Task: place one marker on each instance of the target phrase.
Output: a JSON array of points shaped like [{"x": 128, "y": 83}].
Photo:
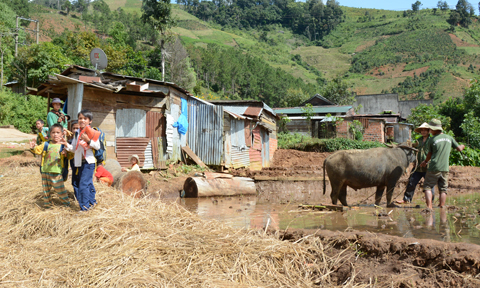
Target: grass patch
[
  {"x": 470, "y": 50},
  {"x": 431, "y": 64},
  {"x": 9, "y": 152},
  {"x": 330, "y": 60},
  {"x": 301, "y": 142}
]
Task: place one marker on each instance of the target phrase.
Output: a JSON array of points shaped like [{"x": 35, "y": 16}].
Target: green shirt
[
  {"x": 422, "y": 153},
  {"x": 52, "y": 162},
  {"x": 52, "y": 118},
  {"x": 440, "y": 145}
]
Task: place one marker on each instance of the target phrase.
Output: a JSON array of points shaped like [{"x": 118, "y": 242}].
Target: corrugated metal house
[
  {"x": 250, "y": 133},
  {"x": 317, "y": 127},
  {"x": 137, "y": 115}
]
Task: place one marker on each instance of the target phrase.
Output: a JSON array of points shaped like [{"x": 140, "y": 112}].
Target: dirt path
[{"x": 12, "y": 135}]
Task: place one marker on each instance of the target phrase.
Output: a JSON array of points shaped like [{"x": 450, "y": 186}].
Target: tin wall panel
[
  {"x": 256, "y": 150},
  {"x": 148, "y": 155},
  {"x": 176, "y": 154},
  {"x": 273, "y": 147},
  {"x": 227, "y": 146},
  {"x": 240, "y": 157},
  {"x": 130, "y": 123},
  {"x": 129, "y": 146},
  {"x": 75, "y": 99},
  {"x": 402, "y": 132},
  {"x": 265, "y": 148},
  {"x": 205, "y": 132},
  {"x": 237, "y": 132}
]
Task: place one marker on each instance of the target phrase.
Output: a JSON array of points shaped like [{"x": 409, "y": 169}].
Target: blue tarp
[{"x": 182, "y": 122}]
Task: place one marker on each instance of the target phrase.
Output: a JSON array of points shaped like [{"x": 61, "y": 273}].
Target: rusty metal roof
[
  {"x": 243, "y": 103},
  {"x": 253, "y": 111}
]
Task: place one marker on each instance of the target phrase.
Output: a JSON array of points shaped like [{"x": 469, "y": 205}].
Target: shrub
[
  {"x": 306, "y": 143},
  {"x": 22, "y": 111}
]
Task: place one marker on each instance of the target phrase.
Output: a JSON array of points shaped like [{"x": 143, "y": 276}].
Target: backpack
[
  {"x": 63, "y": 160},
  {"x": 101, "y": 154}
]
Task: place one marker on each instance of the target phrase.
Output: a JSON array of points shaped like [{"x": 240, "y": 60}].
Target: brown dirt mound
[{"x": 403, "y": 262}]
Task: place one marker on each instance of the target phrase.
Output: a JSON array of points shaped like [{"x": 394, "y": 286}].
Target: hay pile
[{"x": 126, "y": 242}]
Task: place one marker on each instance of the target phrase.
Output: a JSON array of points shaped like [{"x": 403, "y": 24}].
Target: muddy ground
[
  {"x": 401, "y": 262},
  {"x": 366, "y": 257}
]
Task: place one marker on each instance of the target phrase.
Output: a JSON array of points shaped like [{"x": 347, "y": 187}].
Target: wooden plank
[
  {"x": 288, "y": 178},
  {"x": 322, "y": 207},
  {"x": 194, "y": 157}
]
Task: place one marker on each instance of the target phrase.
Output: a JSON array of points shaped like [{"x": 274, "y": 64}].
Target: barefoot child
[
  {"x": 42, "y": 132},
  {"x": 134, "y": 160},
  {"x": 52, "y": 164},
  {"x": 84, "y": 161}
]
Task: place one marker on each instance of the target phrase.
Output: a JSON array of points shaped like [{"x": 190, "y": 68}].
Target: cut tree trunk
[
  {"x": 218, "y": 186},
  {"x": 131, "y": 183}
]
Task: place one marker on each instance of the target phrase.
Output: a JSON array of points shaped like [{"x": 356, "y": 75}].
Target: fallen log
[
  {"x": 202, "y": 187},
  {"x": 131, "y": 183}
]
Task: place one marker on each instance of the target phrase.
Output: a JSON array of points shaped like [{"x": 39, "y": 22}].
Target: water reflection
[{"x": 457, "y": 223}]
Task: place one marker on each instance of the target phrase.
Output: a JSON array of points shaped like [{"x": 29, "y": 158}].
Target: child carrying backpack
[
  {"x": 84, "y": 145},
  {"x": 53, "y": 157}
]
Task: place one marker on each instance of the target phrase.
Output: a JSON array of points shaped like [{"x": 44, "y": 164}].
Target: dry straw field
[{"x": 126, "y": 242}]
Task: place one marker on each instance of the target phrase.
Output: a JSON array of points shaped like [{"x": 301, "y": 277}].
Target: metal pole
[
  {"x": 38, "y": 30},
  {"x": 16, "y": 39}
]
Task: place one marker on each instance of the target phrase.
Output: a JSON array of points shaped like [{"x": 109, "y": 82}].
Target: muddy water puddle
[{"x": 459, "y": 222}]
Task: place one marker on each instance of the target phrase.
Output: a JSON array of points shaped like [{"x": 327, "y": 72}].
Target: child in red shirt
[{"x": 103, "y": 175}]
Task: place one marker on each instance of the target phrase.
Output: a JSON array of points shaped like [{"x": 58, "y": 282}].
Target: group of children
[{"x": 52, "y": 144}]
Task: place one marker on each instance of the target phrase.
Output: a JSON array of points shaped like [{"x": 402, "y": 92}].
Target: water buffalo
[{"x": 376, "y": 167}]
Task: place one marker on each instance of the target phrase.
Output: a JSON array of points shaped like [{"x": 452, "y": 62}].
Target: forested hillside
[{"x": 254, "y": 50}]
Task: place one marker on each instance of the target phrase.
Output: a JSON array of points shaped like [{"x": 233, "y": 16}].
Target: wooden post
[{"x": 48, "y": 102}]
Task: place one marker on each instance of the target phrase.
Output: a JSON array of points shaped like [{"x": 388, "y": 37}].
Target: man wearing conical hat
[
  {"x": 439, "y": 147},
  {"x": 419, "y": 172}
]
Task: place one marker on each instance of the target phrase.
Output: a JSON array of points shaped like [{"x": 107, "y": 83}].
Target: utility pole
[
  {"x": 1, "y": 75},
  {"x": 16, "y": 38},
  {"x": 36, "y": 31}
]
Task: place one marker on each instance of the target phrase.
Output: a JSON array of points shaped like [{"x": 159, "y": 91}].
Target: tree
[
  {"x": 461, "y": 15},
  {"x": 180, "y": 69},
  {"x": 7, "y": 23},
  {"x": 472, "y": 97},
  {"x": 337, "y": 91},
  {"x": 293, "y": 97},
  {"x": 442, "y": 5},
  {"x": 416, "y": 6},
  {"x": 21, "y": 7},
  {"x": 158, "y": 13},
  {"x": 67, "y": 6},
  {"x": 471, "y": 129},
  {"x": 34, "y": 64},
  {"x": 424, "y": 113}
]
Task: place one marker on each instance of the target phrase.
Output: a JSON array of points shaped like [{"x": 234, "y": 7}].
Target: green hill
[{"x": 374, "y": 51}]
